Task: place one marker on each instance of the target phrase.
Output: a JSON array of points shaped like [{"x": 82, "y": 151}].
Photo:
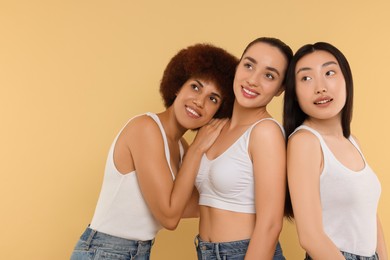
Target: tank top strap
[
  {"x": 353, "y": 141},
  {"x": 166, "y": 147},
  {"x": 325, "y": 149},
  {"x": 271, "y": 119},
  {"x": 322, "y": 141},
  {"x": 181, "y": 148},
  {"x": 311, "y": 130}
]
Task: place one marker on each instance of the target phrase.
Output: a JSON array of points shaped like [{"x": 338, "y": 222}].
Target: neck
[
  {"x": 173, "y": 130},
  {"x": 327, "y": 127},
  {"x": 243, "y": 116}
]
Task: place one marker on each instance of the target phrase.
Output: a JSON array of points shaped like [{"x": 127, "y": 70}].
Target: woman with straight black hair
[{"x": 334, "y": 193}]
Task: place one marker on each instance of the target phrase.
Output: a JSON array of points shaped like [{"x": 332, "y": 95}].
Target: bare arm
[
  {"x": 166, "y": 198},
  {"x": 267, "y": 148},
  {"x": 381, "y": 244},
  {"x": 304, "y": 165},
  {"x": 192, "y": 208}
]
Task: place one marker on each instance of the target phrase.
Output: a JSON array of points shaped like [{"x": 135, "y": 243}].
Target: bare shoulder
[
  {"x": 267, "y": 129},
  {"x": 304, "y": 144},
  {"x": 142, "y": 128},
  {"x": 270, "y": 135},
  {"x": 303, "y": 137},
  {"x": 143, "y": 122}
]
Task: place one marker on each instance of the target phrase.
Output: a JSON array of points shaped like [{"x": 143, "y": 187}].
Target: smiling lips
[
  {"x": 323, "y": 100},
  {"x": 249, "y": 93},
  {"x": 192, "y": 112}
]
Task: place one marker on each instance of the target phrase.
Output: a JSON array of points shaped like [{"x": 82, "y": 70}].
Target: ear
[{"x": 280, "y": 91}]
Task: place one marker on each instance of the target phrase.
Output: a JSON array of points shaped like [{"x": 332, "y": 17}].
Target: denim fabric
[
  {"x": 235, "y": 250},
  {"x": 349, "y": 256},
  {"x": 96, "y": 245}
]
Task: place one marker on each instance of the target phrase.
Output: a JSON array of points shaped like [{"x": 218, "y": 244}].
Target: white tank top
[
  {"x": 227, "y": 181},
  {"x": 121, "y": 209},
  {"x": 349, "y": 202}
]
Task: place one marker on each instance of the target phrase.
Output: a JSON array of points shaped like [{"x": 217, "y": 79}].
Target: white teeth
[
  {"x": 323, "y": 101},
  {"x": 192, "y": 111},
  {"x": 247, "y": 91}
]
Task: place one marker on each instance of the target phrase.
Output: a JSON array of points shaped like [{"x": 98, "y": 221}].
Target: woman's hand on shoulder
[{"x": 207, "y": 134}]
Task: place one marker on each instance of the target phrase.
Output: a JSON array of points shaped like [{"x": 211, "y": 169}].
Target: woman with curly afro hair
[{"x": 148, "y": 185}]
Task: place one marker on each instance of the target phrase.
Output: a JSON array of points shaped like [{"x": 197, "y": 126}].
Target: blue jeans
[
  {"x": 234, "y": 250},
  {"x": 97, "y": 245},
  {"x": 349, "y": 256}
]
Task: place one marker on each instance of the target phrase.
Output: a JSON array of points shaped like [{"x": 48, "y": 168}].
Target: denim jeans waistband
[
  {"x": 223, "y": 247},
  {"x": 233, "y": 248},
  {"x": 96, "y": 238},
  {"x": 349, "y": 256}
]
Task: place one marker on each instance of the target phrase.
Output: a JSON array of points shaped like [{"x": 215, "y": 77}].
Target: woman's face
[
  {"x": 320, "y": 85},
  {"x": 259, "y": 75},
  {"x": 197, "y": 102}
]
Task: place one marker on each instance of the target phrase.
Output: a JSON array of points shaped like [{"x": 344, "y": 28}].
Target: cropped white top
[{"x": 227, "y": 181}]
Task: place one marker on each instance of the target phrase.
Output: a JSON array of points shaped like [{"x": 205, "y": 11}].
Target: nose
[
  {"x": 198, "y": 102},
  {"x": 253, "y": 80},
  {"x": 320, "y": 88}
]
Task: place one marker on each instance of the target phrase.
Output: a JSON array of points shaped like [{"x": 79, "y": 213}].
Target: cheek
[
  {"x": 300, "y": 95},
  {"x": 344, "y": 92},
  {"x": 212, "y": 109},
  {"x": 302, "y": 99},
  {"x": 236, "y": 83},
  {"x": 270, "y": 85}
]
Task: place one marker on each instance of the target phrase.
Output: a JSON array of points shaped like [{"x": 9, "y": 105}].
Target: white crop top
[
  {"x": 227, "y": 181},
  {"x": 349, "y": 202},
  {"x": 121, "y": 209}
]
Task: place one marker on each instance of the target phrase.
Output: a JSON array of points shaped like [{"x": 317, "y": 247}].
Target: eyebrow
[
  {"x": 267, "y": 67},
  {"x": 201, "y": 84},
  {"x": 323, "y": 65}
]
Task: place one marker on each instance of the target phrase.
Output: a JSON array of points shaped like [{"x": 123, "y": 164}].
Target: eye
[
  {"x": 269, "y": 76},
  {"x": 214, "y": 99},
  {"x": 195, "y": 87},
  {"x": 306, "y": 78},
  {"x": 248, "y": 65},
  {"x": 330, "y": 73}
]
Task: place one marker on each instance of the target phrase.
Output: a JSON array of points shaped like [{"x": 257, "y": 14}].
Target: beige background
[{"x": 72, "y": 73}]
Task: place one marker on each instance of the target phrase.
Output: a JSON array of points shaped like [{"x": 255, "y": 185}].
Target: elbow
[
  {"x": 170, "y": 223},
  {"x": 277, "y": 229},
  {"x": 305, "y": 241},
  {"x": 170, "y": 226},
  {"x": 272, "y": 229},
  {"x": 168, "y": 217},
  {"x": 276, "y": 226}
]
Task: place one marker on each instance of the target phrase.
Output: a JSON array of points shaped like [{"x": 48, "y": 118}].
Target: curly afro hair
[{"x": 206, "y": 62}]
